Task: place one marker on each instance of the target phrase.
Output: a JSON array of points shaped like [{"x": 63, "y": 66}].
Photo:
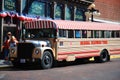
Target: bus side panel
[
  {"x": 114, "y": 46},
  {"x": 70, "y": 49}
]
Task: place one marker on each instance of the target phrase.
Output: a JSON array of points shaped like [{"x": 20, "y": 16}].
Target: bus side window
[
  {"x": 62, "y": 33},
  {"x": 107, "y": 34},
  {"x": 96, "y": 34},
  {"x": 117, "y": 34},
  {"x": 84, "y": 33},
  {"x": 77, "y": 34},
  {"x": 113, "y": 34},
  {"x": 70, "y": 34},
  {"x": 102, "y": 34},
  {"x": 90, "y": 34}
]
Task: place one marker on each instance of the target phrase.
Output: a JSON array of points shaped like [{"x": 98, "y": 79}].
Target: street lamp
[{"x": 91, "y": 11}]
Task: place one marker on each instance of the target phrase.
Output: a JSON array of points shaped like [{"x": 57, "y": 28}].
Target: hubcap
[{"x": 47, "y": 60}]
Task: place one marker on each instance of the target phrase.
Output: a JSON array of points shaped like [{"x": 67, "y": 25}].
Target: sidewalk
[{"x": 4, "y": 64}]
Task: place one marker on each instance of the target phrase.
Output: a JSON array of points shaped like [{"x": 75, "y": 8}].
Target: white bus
[{"x": 46, "y": 41}]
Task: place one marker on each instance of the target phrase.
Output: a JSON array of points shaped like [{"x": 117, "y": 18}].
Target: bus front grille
[{"x": 24, "y": 50}]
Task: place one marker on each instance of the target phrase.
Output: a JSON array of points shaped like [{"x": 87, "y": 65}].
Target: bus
[{"x": 47, "y": 41}]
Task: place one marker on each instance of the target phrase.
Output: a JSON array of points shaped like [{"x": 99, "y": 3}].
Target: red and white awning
[
  {"x": 40, "y": 24},
  {"x": 64, "y": 24}
]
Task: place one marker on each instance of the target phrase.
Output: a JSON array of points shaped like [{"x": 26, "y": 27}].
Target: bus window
[
  {"x": 107, "y": 34},
  {"x": 113, "y": 34},
  {"x": 70, "y": 34},
  {"x": 77, "y": 34},
  {"x": 117, "y": 34},
  {"x": 84, "y": 33},
  {"x": 40, "y": 33},
  {"x": 90, "y": 34},
  {"x": 102, "y": 35},
  {"x": 62, "y": 33},
  {"x": 96, "y": 34}
]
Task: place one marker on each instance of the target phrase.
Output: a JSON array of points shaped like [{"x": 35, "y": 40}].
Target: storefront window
[
  {"x": 37, "y": 8},
  {"x": 23, "y": 4},
  {"x": 68, "y": 13},
  {"x": 58, "y": 12},
  {"x": 9, "y": 5},
  {"x": 79, "y": 15},
  {"x": 48, "y": 10}
]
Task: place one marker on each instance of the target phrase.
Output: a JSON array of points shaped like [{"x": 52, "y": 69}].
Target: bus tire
[
  {"x": 47, "y": 60},
  {"x": 104, "y": 57}
]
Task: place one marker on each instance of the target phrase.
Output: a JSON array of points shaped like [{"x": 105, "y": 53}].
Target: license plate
[{"x": 22, "y": 60}]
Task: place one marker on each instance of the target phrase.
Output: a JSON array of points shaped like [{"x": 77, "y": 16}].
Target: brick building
[{"x": 109, "y": 9}]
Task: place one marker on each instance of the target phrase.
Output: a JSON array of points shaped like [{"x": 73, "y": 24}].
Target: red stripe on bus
[
  {"x": 89, "y": 55},
  {"x": 114, "y": 49},
  {"x": 82, "y": 52},
  {"x": 112, "y": 53}
]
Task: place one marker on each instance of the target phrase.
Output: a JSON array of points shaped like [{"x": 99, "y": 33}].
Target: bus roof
[{"x": 65, "y": 24}]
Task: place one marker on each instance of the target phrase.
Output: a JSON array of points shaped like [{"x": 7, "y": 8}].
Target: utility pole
[
  {"x": 1, "y": 26},
  {"x": 20, "y": 24}
]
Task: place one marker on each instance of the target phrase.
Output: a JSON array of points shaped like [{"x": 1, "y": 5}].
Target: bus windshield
[{"x": 39, "y": 33}]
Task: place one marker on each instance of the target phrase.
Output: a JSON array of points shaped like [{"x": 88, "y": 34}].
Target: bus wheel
[
  {"x": 47, "y": 60},
  {"x": 104, "y": 57}
]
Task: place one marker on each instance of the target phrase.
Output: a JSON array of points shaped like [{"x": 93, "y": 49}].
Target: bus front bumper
[{"x": 25, "y": 61}]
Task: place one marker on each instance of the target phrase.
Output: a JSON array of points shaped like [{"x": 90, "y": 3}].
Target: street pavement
[{"x": 4, "y": 64}]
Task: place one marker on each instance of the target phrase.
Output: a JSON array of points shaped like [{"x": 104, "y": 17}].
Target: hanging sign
[{"x": 9, "y": 5}]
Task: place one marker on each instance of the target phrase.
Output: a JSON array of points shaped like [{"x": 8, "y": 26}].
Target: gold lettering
[{"x": 9, "y": 4}]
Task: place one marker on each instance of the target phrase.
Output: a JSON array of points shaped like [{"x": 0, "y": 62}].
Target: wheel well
[{"x": 50, "y": 52}]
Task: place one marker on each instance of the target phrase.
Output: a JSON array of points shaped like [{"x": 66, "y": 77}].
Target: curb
[
  {"x": 115, "y": 56},
  {"x": 111, "y": 57},
  {"x": 3, "y": 65}
]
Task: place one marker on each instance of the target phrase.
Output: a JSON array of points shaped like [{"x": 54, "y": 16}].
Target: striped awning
[
  {"x": 39, "y": 24},
  {"x": 65, "y": 24}
]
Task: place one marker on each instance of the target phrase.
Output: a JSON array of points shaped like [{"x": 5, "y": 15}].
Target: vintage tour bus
[{"x": 46, "y": 41}]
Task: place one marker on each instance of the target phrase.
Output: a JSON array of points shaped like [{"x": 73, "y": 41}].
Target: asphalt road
[{"x": 66, "y": 71}]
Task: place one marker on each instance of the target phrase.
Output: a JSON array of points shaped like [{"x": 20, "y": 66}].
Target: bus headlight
[
  {"x": 12, "y": 51},
  {"x": 37, "y": 51}
]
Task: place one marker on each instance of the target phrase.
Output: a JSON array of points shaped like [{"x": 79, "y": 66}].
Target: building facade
[{"x": 14, "y": 12}]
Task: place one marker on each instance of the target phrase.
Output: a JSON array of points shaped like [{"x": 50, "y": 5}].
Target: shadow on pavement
[
  {"x": 37, "y": 67},
  {"x": 57, "y": 65}
]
